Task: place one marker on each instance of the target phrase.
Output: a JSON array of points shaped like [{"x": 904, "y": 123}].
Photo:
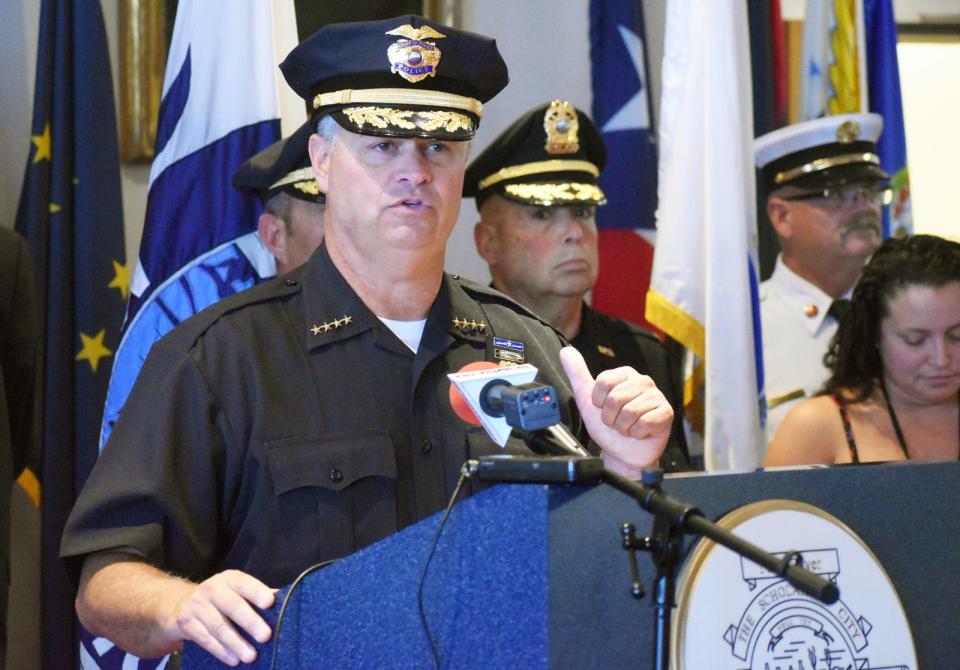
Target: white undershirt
[{"x": 409, "y": 332}]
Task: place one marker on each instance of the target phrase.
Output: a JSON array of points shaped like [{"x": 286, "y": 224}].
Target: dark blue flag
[
  {"x": 622, "y": 111},
  {"x": 883, "y": 83},
  {"x": 70, "y": 213}
]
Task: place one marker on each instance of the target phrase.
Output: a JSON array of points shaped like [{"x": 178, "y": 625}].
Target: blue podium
[{"x": 533, "y": 576}]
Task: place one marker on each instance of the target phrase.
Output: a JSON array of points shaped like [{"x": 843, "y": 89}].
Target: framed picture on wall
[{"x": 146, "y": 27}]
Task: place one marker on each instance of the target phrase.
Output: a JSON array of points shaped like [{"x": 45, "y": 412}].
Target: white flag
[{"x": 704, "y": 283}]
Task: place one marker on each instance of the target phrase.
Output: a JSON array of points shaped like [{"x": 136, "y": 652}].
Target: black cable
[
  {"x": 283, "y": 607},
  {"x": 464, "y": 473}
]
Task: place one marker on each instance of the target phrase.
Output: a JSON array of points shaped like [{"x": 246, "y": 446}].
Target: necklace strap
[{"x": 893, "y": 420}]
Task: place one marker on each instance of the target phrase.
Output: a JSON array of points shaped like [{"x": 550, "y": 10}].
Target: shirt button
[
  {"x": 291, "y": 282},
  {"x": 335, "y": 475},
  {"x": 426, "y": 446}
]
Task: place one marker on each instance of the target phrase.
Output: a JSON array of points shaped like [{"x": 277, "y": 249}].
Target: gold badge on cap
[
  {"x": 562, "y": 127},
  {"x": 848, "y": 131},
  {"x": 414, "y": 58}
]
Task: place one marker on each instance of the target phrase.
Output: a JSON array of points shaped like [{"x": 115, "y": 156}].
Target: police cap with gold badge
[
  {"x": 552, "y": 155},
  {"x": 830, "y": 151},
  {"x": 401, "y": 77},
  {"x": 283, "y": 167}
]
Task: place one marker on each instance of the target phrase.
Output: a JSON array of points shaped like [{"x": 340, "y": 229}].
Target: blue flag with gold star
[{"x": 70, "y": 213}]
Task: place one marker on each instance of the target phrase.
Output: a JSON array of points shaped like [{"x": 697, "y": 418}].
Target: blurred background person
[
  {"x": 825, "y": 191},
  {"x": 291, "y": 225},
  {"x": 19, "y": 339},
  {"x": 536, "y": 190},
  {"x": 895, "y": 366}
]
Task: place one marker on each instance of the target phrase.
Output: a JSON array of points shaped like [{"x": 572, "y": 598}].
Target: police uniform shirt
[
  {"x": 607, "y": 343},
  {"x": 287, "y": 425},
  {"x": 796, "y": 334}
]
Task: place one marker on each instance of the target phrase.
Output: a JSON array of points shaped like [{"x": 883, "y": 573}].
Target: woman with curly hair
[{"x": 895, "y": 366}]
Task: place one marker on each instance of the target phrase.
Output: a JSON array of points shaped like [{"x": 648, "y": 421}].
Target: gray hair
[{"x": 328, "y": 129}]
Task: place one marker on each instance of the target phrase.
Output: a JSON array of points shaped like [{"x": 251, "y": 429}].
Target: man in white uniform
[{"x": 825, "y": 191}]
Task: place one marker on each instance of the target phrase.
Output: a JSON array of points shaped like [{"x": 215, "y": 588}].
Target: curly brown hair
[{"x": 854, "y": 355}]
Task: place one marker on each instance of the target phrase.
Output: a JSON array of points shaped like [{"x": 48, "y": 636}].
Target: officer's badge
[
  {"x": 414, "y": 58},
  {"x": 848, "y": 131},
  {"x": 562, "y": 127}
]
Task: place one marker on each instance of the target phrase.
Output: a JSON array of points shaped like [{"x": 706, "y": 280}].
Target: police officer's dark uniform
[
  {"x": 553, "y": 156},
  {"x": 288, "y": 425}
]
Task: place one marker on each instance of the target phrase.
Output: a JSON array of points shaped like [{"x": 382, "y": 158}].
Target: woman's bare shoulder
[{"x": 811, "y": 433}]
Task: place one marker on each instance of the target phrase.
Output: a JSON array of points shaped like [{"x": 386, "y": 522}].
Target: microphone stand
[{"x": 672, "y": 519}]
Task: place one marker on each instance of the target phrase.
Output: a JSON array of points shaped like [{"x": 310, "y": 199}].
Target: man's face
[
  {"x": 536, "y": 252},
  {"x": 830, "y": 227},
  {"x": 387, "y": 194}
]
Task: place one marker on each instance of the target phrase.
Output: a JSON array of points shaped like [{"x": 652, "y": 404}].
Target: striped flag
[
  {"x": 223, "y": 101},
  {"x": 704, "y": 290},
  {"x": 850, "y": 65},
  {"x": 622, "y": 112}
]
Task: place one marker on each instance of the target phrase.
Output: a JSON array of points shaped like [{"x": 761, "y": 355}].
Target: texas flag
[{"x": 622, "y": 111}]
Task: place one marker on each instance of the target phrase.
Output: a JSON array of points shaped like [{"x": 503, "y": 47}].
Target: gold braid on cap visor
[
  {"x": 548, "y": 195},
  {"x": 824, "y": 163},
  {"x": 526, "y": 169},
  {"x": 408, "y": 119},
  {"x": 379, "y": 113},
  {"x": 301, "y": 179}
]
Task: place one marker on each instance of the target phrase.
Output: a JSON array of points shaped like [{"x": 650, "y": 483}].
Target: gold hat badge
[
  {"x": 562, "y": 127},
  {"x": 414, "y": 58},
  {"x": 848, "y": 131}
]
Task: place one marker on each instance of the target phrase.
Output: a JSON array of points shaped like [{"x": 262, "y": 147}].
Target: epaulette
[
  {"x": 486, "y": 294},
  {"x": 186, "y": 333}
]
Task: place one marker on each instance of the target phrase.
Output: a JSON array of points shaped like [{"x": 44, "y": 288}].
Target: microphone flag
[{"x": 470, "y": 383}]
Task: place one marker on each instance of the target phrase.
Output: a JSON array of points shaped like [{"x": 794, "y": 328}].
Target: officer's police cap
[
  {"x": 401, "y": 77},
  {"x": 830, "y": 151},
  {"x": 552, "y": 155},
  {"x": 283, "y": 167}
]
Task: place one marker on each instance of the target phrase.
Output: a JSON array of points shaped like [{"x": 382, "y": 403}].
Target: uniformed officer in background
[
  {"x": 307, "y": 417},
  {"x": 825, "y": 192},
  {"x": 291, "y": 225},
  {"x": 536, "y": 190}
]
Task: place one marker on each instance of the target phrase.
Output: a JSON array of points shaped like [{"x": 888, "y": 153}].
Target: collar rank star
[
  {"x": 508, "y": 352},
  {"x": 327, "y": 326},
  {"x": 469, "y": 327}
]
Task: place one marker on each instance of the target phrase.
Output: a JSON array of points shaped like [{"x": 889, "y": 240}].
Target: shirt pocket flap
[{"x": 332, "y": 463}]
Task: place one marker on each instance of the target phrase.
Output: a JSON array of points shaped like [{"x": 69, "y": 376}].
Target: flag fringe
[{"x": 676, "y": 323}]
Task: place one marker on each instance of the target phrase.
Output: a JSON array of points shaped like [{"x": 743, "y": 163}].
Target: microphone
[{"x": 487, "y": 392}]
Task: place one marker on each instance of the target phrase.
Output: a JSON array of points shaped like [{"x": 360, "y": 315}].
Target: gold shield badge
[
  {"x": 848, "y": 131},
  {"x": 414, "y": 58},
  {"x": 562, "y": 127}
]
